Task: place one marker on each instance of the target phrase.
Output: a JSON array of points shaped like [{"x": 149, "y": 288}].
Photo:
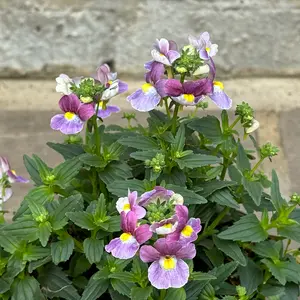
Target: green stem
[
  {"x": 225, "y": 165},
  {"x": 174, "y": 119},
  {"x": 96, "y": 135},
  {"x": 256, "y": 166},
  {"x": 87, "y": 132},
  {"x": 167, "y": 108},
  {"x": 235, "y": 122},
  {"x": 162, "y": 294},
  {"x": 287, "y": 246},
  {"x": 169, "y": 72}
]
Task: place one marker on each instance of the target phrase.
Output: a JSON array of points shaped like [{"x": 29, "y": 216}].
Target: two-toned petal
[
  {"x": 67, "y": 123},
  {"x": 5, "y": 193},
  {"x": 109, "y": 109},
  {"x": 219, "y": 97},
  {"x": 124, "y": 247}
]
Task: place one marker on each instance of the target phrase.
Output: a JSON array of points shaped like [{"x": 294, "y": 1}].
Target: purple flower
[
  {"x": 204, "y": 46},
  {"x": 113, "y": 85},
  {"x": 188, "y": 93},
  {"x": 187, "y": 229},
  {"x": 165, "y": 52},
  {"x": 168, "y": 270},
  {"x": 155, "y": 71},
  {"x": 166, "y": 226},
  {"x": 129, "y": 242},
  {"x": 158, "y": 193},
  {"x": 75, "y": 114},
  {"x": 104, "y": 111},
  {"x": 219, "y": 97},
  {"x": 129, "y": 203}
]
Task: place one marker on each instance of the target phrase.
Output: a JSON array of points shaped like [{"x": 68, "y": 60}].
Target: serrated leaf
[
  {"x": 210, "y": 187},
  {"x": 115, "y": 171},
  {"x": 113, "y": 224},
  {"x": 55, "y": 283},
  {"x": 26, "y": 288},
  {"x": 179, "y": 139},
  {"x": 193, "y": 161},
  {"x": 93, "y": 249},
  {"x": 223, "y": 272},
  {"x": 82, "y": 219},
  {"x": 24, "y": 228},
  {"x": 10, "y": 243},
  {"x": 247, "y": 229},
  {"x": 276, "y": 270},
  {"x": 194, "y": 288},
  {"x": 44, "y": 232},
  {"x": 231, "y": 249},
  {"x": 62, "y": 250},
  {"x": 144, "y": 155},
  {"x": 122, "y": 287},
  {"x": 43, "y": 169},
  {"x": 5, "y": 283},
  {"x": 276, "y": 197},
  {"x": 290, "y": 232},
  {"x": 36, "y": 208},
  {"x": 33, "y": 252},
  {"x": 95, "y": 289},
  {"x": 224, "y": 197},
  {"x": 291, "y": 292},
  {"x": 268, "y": 290},
  {"x": 120, "y": 187},
  {"x": 139, "y": 142},
  {"x": 268, "y": 249},
  {"x": 68, "y": 151},
  {"x": 32, "y": 169},
  {"x": 92, "y": 160},
  {"x": 138, "y": 293},
  {"x": 15, "y": 265},
  {"x": 235, "y": 174},
  {"x": 178, "y": 294},
  {"x": 254, "y": 188},
  {"x": 190, "y": 197},
  {"x": 38, "y": 263},
  {"x": 242, "y": 161},
  {"x": 199, "y": 276},
  {"x": 209, "y": 126},
  {"x": 123, "y": 276},
  {"x": 66, "y": 171}
]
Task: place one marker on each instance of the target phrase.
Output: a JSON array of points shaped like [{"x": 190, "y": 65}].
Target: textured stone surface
[{"x": 45, "y": 37}]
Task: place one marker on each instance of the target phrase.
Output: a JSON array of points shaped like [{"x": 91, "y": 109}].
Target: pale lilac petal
[
  {"x": 173, "y": 55},
  {"x": 205, "y": 36},
  {"x": 213, "y": 50},
  {"x": 157, "y": 56},
  {"x": 195, "y": 223},
  {"x": 164, "y": 279},
  {"x": 4, "y": 164},
  {"x": 57, "y": 121},
  {"x": 123, "y": 87},
  {"x": 148, "y": 65},
  {"x": 193, "y": 41},
  {"x": 132, "y": 197},
  {"x": 12, "y": 177},
  {"x": 143, "y": 233},
  {"x": 173, "y": 87},
  {"x": 86, "y": 111},
  {"x": 187, "y": 252},
  {"x": 104, "y": 113},
  {"x": 102, "y": 73},
  {"x": 160, "y": 87},
  {"x": 221, "y": 99},
  {"x": 166, "y": 248},
  {"x": 122, "y": 250},
  {"x": 149, "y": 254},
  {"x": 157, "y": 193},
  {"x": 163, "y": 45},
  {"x": 69, "y": 103},
  {"x": 5, "y": 194},
  {"x": 72, "y": 127},
  {"x": 182, "y": 213},
  {"x": 139, "y": 211},
  {"x": 144, "y": 102},
  {"x": 203, "y": 54},
  {"x": 172, "y": 45}
]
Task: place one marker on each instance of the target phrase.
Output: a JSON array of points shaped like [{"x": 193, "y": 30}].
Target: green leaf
[
  {"x": 32, "y": 169},
  {"x": 43, "y": 169},
  {"x": 179, "y": 139},
  {"x": 123, "y": 287},
  {"x": 199, "y": 276},
  {"x": 93, "y": 249},
  {"x": 177, "y": 177},
  {"x": 66, "y": 171},
  {"x": 95, "y": 289},
  {"x": 268, "y": 249},
  {"x": 15, "y": 265},
  {"x": 139, "y": 142},
  {"x": 194, "y": 288},
  {"x": 82, "y": 219},
  {"x": 33, "y": 252},
  {"x": 209, "y": 187},
  {"x": 44, "y": 232},
  {"x": 55, "y": 283},
  {"x": 113, "y": 223},
  {"x": 290, "y": 232},
  {"x": 26, "y": 288},
  {"x": 144, "y": 155},
  {"x": 189, "y": 196},
  {"x": 10, "y": 243},
  {"x": 24, "y": 228},
  {"x": 193, "y": 161},
  {"x": 92, "y": 160},
  {"x": 123, "y": 276},
  {"x": 62, "y": 250},
  {"x": 254, "y": 188},
  {"x": 138, "y": 293},
  {"x": 209, "y": 126},
  {"x": 38, "y": 263},
  {"x": 178, "y": 294},
  {"x": 270, "y": 290},
  {"x": 225, "y": 198},
  {"x": 231, "y": 249},
  {"x": 291, "y": 292},
  {"x": 247, "y": 229},
  {"x": 235, "y": 174},
  {"x": 223, "y": 272},
  {"x": 276, "y": 197},
  {"x": 5, "y": 283},
  {"x": 68, "y": 151},
  {"x": 242, "y": 160},
  {"x": 276, "y": 270},
  {"x": 295, "y": 215},
  {"x": 115, "y": 150},
  {"x": 115, "y": 171},
  {"x": 120, "y": 187}
]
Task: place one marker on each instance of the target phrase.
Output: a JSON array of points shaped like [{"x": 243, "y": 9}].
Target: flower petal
[
  {"x": 182, "y": 213},
  {"x": 144, "y": 102},
  {"x": 221, "y": 99},
  {"x": 172, "y": 45},
  {"x": 139, "y": 211},
  {"x": 166, "y": 248},
  {"x": 128, "y": 221},
  {"x": 173, "y": 55},
  {"x": 5, "y": 194},
  {"x": 187, "y": 252},
  {"x": 164, "y": 279},
  {"x": 123, "y": 87},
  {"x": 198, "y": 87},
  {"x": 143, "y": 233},
  {"x": 203, "y": 54},
  {"x": 205, "y": 36},
  {"x": 102, "y": 73},
  {"x": 12, "y": 177},
  {"x": 104, "y": 113},
  {"x": 57, "y": 121},
  {"x": 149, "y": 254},
  {"x": 122, "y": 250},
  {"x": 69, "y": 103},
  {"x": 157, "y": 56},
  {"x": 155, "y": 73},
  {"x": 173, "y": 87},
  {"x": 86, "y": 111},
  {"x": 4, "y": 164},
  {"x": 72, "y": 127},
  {"x": 163, "y": 45}
]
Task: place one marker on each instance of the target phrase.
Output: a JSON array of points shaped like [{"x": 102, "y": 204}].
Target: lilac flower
[
  {"x": 158, "y": 193},
  {"x": 104, "y": 111},
  {"x": 188, "y": 93},
  {"x": 129, "y": 242},
  {"x": 168, "y": 270},
  {"x": 165, "y": 52},
  {"x": 129, "y": 203},
  {"x": 165, "y": 226},
  {"x": 204, "y": 46},
  {"x": 187, "y": 229},
  {"x": 63, "y": 84},
  {"x": 155, "y": 71},
  {"x": 219, "y": 97},
  {"x": 75, "y": 114},
  {"x": 113, "y": 85}
]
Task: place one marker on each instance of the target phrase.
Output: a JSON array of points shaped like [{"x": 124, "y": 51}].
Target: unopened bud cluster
[
  {"x": 158, "y": 211},
  {"x": 156, "y": 163},
  {"x": 268, "y": 150}
]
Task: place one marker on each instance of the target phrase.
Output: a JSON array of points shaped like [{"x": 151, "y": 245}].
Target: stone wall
[{"x": 40, "y": 38}]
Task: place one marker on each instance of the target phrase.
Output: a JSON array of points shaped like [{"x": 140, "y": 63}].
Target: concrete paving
[{"x": 27, "y": 107}]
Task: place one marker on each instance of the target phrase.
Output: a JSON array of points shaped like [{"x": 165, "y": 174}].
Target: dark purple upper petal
[
  {"x": 143, "y": 233},
  {"x": 182, "y": 213},
  {"x": 102, "y": 73},
  {"x": 173, "y": 87},
  {"x": 164, "y": 247},
  {"x": 188, "y": 251},
  {"x": 155, "y": 73},
  {"x": 86, "y": 111},
  {"x": 128, "y": 221},
  {"x": 69, "y": 103},
  {"x": 149, "y": 254},
  {"x": 160, "y": 87},
  {"x": 172, "y": 45},
  {"x": 198, "y": 87}
]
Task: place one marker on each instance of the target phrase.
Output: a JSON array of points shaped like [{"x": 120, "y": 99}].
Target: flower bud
[
  {"x": 253, "y": 126},
  {"x": 181, "y": 70},
  {"x": 178, "y": 199},
  {"x": 189, "y": 50},
  {"x": 202, "y": 70},
  {"x": 268, "y": 150},
  {"x": 245, "y": 111}
]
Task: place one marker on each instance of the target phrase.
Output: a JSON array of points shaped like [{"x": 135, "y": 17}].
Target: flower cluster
[
  {"x": 157, "y": 216},
  {"x": 7, "y": 177},
  {"x": 194, "y": 61},
  {"x": 85, "y": 97}
]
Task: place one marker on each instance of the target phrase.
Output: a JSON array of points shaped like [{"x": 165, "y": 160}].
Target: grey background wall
[{"x": 40, "y": 38}]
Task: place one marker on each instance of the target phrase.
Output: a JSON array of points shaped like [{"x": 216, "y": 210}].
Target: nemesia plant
[{"x": 171, "y": 210}]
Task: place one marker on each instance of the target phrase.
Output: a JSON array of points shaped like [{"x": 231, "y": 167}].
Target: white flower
[
  {"x": 123, "y": 205},
  {"x": 178, "y": 199},
  {"x": 111, "y": 91},
  {"x": 253, "y": 127},
  {"x": 63, "y": 84}
]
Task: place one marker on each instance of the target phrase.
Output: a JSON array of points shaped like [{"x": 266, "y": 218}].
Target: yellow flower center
[
  {"x": 169, "y": 263},
  {"x": 109, "y": 82},
  {"x": 187, "y": 231},
  {"x": 14, "y": 172},
  {"x": 86, "y": 99},
  {"x": 207, "y": 49},
  {"x": 188, "y": 97},
  {"x": 125, "y": 237},
  {"x": 168, "y": 225},
  {"x": 69, "y": 115},
  {"x": 146, "y": 87},
  {"x": 161, "y": 54},
  {"x": 126, "y": 206},
  {"x": 219, "y": 84}
]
